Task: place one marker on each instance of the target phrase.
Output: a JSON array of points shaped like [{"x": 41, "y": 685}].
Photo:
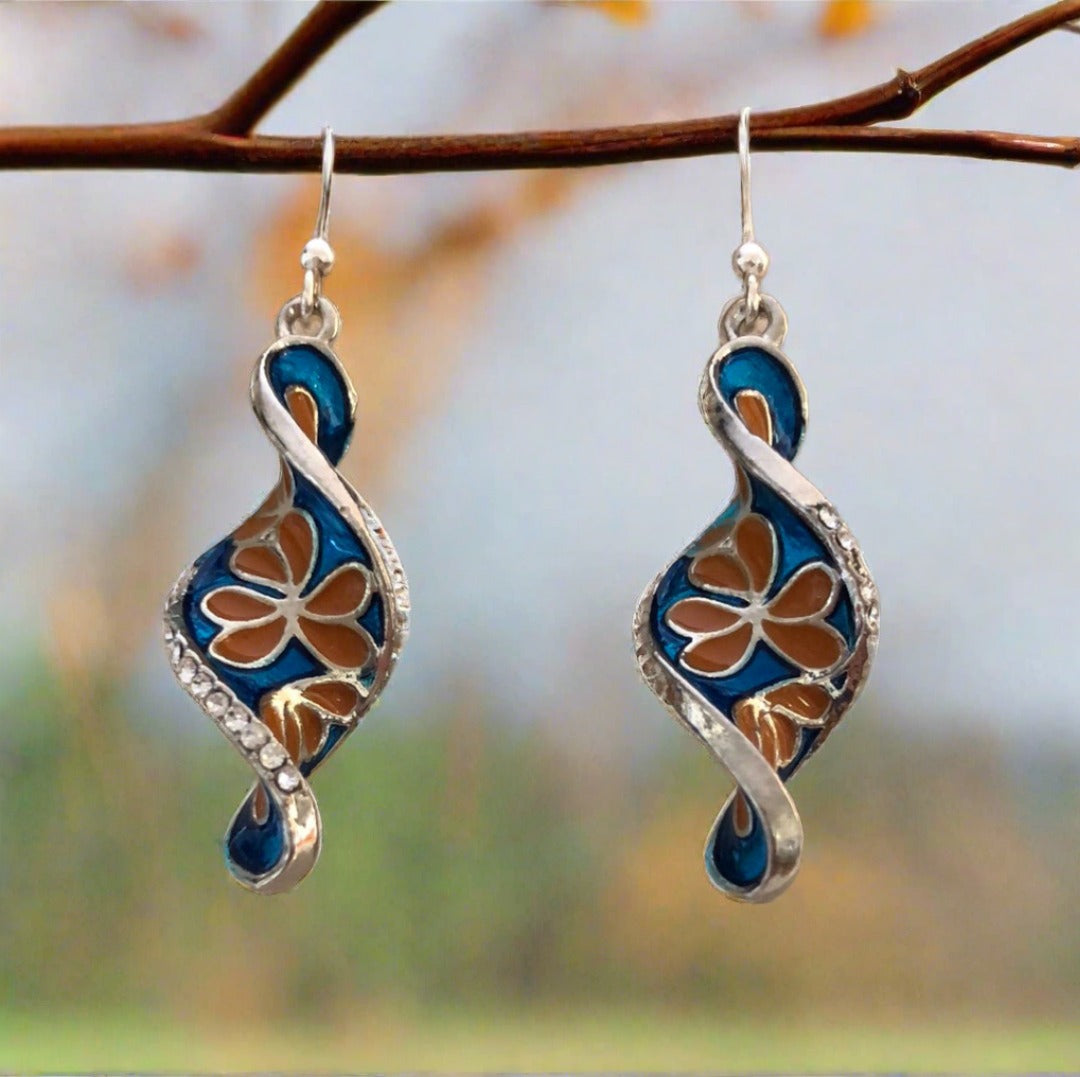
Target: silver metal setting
[
  {"x": 315, "y": 327},
  {"x": 756, "y": 320}
]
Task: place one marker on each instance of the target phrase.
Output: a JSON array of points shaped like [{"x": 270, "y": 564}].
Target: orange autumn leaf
[
  {"x": 624, "y": 12},
  {"x": 844, "y": 18}
]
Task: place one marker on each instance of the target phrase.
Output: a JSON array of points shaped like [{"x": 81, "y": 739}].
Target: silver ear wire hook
[
  {"x": 318, "y": 256},
  {"x": 749, "y": 260}
]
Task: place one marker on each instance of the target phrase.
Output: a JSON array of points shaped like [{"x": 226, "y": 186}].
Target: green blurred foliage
[{"x": 480, "y": 866}]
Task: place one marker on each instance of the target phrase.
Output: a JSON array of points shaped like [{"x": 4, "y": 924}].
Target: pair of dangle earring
[
  {"x": 760, "y": 634},
  {"x": 287, "y": 630},
  {"x": 757, "y": 637}
]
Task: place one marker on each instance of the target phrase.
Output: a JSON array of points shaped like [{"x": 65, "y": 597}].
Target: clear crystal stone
[
  {"x": 217, "y": 703},
  {"x": 201, "y": 685},
  {"x": 254, "y": 736},
  {"x": 866, "y": 594},
  {"x": 272, "y": 755},
  {"x": 847, "y": 541},
  {"x": 236, "y": 719},
  {"x": 288, "y": 779},
  {"x": 828, "y": 517},
  {"x": 176, "y": 653},
  {"x": 188, "y": 668},
  {"x": 170, "y": 633}
]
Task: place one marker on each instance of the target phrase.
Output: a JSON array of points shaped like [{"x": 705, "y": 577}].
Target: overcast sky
[{"x": 932, "y": 315}]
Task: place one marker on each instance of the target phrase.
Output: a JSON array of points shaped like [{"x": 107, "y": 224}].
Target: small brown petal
[
  {"x": 343, "y": 645},
  {"x": 718, "y": 656},
  {"x": 779, "y": 738},
  {"x": 807, "y": 703},
  {"x": 755, "y": 543},
  {"x": 693, "y": 616},
  {"x": 342, "y": 594},
  {"x": 248, "y": 646},
  {"x": 296, "y": 536},
  {"x": 754, "y": 411},
  {"x": 312, "y": 729},
  {"x": 336, "y": 697},
  {"x": 719, "y": 571},
  {"x": 812, "y": 647},
  {"x": 261, "y": 564},
  {"x": 811, "y": 592},
  {"x": 237, "y": 604},
  {"x": 304, "y": 410}
]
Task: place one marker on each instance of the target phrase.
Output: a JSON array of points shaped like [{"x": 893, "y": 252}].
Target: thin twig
[
  {"x": 317, "y": 33},
  {"x": 218, "y": 141}
]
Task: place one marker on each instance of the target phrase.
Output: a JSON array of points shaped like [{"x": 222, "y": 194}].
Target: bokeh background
[{"x": 512, "y": 872}]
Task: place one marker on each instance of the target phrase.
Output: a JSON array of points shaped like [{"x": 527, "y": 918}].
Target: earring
[
  {"x": 287, "y": 630},
  {"x": 759, "y": 635}
]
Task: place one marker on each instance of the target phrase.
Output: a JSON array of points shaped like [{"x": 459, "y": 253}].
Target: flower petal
[
  {"x": 808, "y": 704},
  {"x": 811, "y": 592},
  {"x": 311, "y": 728},
  {"x": 277, "y": 717},
  {"x": 697, "y": 616},
  {"x": 296, "y": 537},
  {"x": 755, "y": 413},
  {"x": 779, "y": 739},
  {"x": 755, "y": 544},
  {"x": 304, "y": 410},
  {"x": 237, "y": 605},
  {"x": 774, "y": 736},
  {"x": 260, "y": 564},
  {"x": 334, "y": 697},
  {"x": 345, "y": 646},
  {"x": 812, "y": 647},
  {"x": 719, "y": 572},
  {"x": 250, "y": 645},
  {"x": 719, "y": 656},
  {"x": 344, "y": 593}
]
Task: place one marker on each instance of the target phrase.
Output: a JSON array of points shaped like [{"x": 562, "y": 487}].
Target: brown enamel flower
[
  {"x": 742, "y": 567},
  {"x": 772, "y": 722}
]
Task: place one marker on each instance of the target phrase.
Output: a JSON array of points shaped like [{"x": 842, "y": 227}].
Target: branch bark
[
  {"x": 219, "y": 141},
  {"x": 317, "y": 33}
]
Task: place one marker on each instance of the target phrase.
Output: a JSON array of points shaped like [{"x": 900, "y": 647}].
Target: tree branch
[
  {"x": 218, "y": 141},
  {"x": 317, "y": 33}
]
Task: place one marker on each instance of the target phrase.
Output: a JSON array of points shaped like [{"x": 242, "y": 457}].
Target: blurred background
[{"x": 512, "y": 872}]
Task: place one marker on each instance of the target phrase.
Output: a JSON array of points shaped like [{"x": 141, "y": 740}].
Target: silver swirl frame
[
  {"x": 288, "y": 788},
  {"x": 752, "y": 773}
]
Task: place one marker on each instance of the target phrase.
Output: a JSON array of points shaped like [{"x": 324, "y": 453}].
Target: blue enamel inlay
[
  {"x": 252, "y": 847},
  {"x": 337, "y": 545},
  {"x": 797, "y": 545},
  {"x": 743, "y": 860},
  {"x": 755, "y": 368},
  {"x": 734, "y": 859},
  {"x": 306, "y": 366}
]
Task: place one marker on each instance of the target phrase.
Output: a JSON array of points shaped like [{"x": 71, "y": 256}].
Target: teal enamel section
[
  {"x": 336, "y": 546},
  {"x": 254, "y": 847},
  {"x": 742, "y": 860},
  {"x": 797, "y": 546},
  {"x": 309, "y": 368},
  {"x": 755, "y": 368}
]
